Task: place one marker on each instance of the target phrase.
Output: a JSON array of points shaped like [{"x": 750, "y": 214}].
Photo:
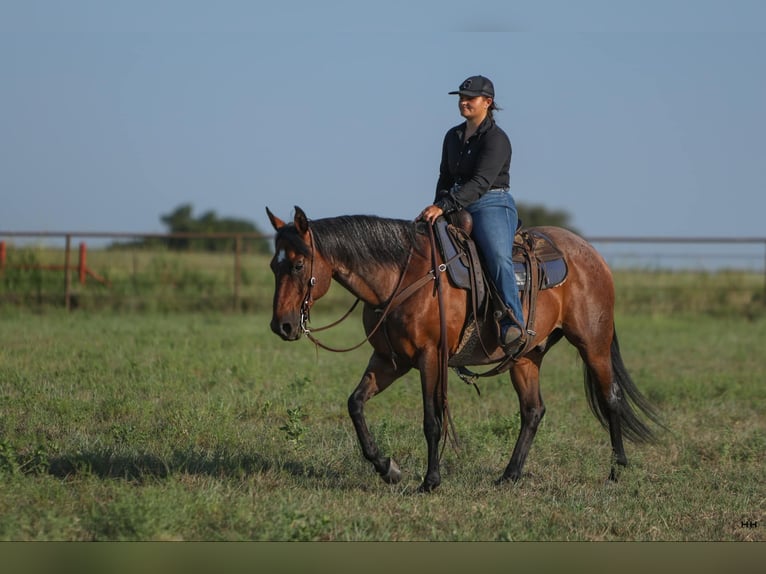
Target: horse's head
[{"x": 301, "y": 275}]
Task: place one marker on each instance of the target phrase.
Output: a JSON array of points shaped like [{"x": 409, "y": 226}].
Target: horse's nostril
[
  {"x": 285, "y": 329},
  {"x": 277, "y": 327}
]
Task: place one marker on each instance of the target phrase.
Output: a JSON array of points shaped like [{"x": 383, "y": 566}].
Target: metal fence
[
  {"x": 691, "y": 253},
  {"x": 111, "y": 239},
  {"x": 652, "y": 255}
]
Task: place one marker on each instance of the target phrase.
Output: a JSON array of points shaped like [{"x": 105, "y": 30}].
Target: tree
[
  {"x": 533, "y": 215},
  {"x": 179, "y": 221},
  {"x": 182, "y": 220}
]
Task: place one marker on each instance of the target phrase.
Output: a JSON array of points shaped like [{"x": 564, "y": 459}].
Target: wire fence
[
  {"x": 137, "y": 271},
  {"x": 689, "y": 253}
]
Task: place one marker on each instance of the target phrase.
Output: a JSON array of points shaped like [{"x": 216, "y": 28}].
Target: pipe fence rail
[{"x": 645, "y": 254}]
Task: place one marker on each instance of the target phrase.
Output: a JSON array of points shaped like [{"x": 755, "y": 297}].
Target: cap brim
[{"x": 468, "y": 93}]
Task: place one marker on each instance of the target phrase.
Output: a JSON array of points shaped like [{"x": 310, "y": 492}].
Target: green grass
[
  {"x": 208, "y": 427},
  {"x": 152, "y": 280}
]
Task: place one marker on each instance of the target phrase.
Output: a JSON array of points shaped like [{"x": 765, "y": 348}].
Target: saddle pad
[
  {"x": 552, "y": 274},
  {"x": 553, "y": 267}
]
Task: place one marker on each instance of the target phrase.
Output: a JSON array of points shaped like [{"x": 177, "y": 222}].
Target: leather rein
[
  {"x": 434, "y": 274},
  {"x": 397, "y": 299}
]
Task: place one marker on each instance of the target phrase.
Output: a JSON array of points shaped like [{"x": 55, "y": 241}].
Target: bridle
[
  {"x": 305, "y": 313},
  {"x": 398, "y": 297},
  {"x": 434, "y": 274},
  {"x": 306, "y": 304}
]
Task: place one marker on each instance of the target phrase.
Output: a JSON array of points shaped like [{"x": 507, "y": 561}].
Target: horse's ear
[
  {"x": 301, "y": 221},
  {"x": 275, "y": 221}
]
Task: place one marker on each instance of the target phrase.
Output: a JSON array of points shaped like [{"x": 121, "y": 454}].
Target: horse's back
[
  {"x": 582, "y": 258},
  {"x": 586, "y": 299}
]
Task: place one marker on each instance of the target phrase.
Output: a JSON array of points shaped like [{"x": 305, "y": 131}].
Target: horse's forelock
[{"x": 289, "y": 234}]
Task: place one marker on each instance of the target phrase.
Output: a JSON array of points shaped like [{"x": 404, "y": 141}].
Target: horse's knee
[
  {"x": 533, "y": 414},
  {"x": 431, "y": 427},
  {"x": 355, "y": 405}
]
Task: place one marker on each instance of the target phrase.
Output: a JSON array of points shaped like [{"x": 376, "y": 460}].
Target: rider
[{"x": 474, "y": 175}]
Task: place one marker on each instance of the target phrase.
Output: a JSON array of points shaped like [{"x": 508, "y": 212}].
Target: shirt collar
[{"x": 483, "y": 127}]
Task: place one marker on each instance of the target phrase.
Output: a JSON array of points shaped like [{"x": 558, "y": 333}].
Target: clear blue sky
[{"x": 637, "y": 118}]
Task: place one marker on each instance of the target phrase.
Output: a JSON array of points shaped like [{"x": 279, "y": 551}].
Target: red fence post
[
  {"x": 82, "y": 267},
  {"x": 2, "y": 256}
]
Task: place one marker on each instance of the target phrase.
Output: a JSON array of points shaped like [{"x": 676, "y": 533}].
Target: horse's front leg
[
  {"x": 433, "y": 418},
  {"x": 525, "y": 376},
  {"x": 379, "y": 375}
]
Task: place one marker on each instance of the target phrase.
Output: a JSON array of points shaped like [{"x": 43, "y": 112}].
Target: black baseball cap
[{"x": 476, "y": 86}]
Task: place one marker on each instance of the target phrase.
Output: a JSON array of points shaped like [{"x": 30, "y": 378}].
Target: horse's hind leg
[
  {"x": 525, "y": 376},
  {"x": 379, "y": 375},
  {"x": 605, "y": 398}
]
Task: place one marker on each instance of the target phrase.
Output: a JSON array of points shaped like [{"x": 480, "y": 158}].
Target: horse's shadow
[{"x": 147, "y": 466}]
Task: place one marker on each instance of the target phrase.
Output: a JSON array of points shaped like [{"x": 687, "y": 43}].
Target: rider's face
[{"x": 473, "y": 108}]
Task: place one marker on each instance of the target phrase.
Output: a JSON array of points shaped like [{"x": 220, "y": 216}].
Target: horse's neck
[{"x": 375, "y": 288}]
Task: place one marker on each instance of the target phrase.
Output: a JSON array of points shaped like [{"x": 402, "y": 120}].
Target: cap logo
[{"x": 466, "y": 84}]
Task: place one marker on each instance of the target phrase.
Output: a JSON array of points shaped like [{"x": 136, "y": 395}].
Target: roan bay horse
[{"x": 377, "y": 259}]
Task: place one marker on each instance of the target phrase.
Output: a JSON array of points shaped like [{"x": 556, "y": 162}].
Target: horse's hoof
[
  {"x": 426, "y": 488},
  {"x": 506, "y": 478},
  {"x": 393, "y": 475},
  {"x": 430, "y": 483}
]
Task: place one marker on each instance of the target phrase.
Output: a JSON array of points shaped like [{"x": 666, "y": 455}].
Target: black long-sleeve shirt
[{"x": 480, "y": 164}]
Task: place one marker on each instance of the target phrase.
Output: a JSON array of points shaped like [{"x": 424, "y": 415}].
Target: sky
[{"x": 636, "y": 118}]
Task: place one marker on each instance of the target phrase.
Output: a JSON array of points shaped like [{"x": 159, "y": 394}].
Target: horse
[{"x": 391, "y": 265}]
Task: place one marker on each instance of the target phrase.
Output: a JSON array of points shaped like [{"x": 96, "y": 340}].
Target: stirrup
[{"x": 511, "y": 348}]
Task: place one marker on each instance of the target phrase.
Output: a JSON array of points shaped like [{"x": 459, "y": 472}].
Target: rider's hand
[{"x": 430, "y": 214}]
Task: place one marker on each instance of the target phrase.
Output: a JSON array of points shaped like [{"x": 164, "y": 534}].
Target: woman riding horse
[
  {"x": 392, "y": 267},
  {"x": 474, "y": 175}
]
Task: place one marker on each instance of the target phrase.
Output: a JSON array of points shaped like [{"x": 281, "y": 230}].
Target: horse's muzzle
[{"x": 288, "y": 330}]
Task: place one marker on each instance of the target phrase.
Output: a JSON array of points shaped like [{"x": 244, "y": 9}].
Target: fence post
[
  {"x": 67, "y": 278},
  {"x": 237, "y": 269},
  {"x": 2, "y": 256},
  {"x": 82, "y": 265}
]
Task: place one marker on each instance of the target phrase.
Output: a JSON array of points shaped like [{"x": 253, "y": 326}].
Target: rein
[
  {"x": 434, "y": 274},
  {"x": 443, "y": 350},
  {"x": 393, "y": 302}
]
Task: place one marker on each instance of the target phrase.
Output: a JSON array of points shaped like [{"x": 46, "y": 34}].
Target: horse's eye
[{"x": 298, "y": 266}]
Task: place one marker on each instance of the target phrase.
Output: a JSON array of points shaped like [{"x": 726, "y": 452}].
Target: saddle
[
  {"x": 464, "y": 264},
  {"x": 538, "y": 265}
]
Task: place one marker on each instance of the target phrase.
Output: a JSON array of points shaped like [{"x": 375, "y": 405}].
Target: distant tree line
[
  {"x": 182, "y": 220},
  {"x": 536, "y": 214}
]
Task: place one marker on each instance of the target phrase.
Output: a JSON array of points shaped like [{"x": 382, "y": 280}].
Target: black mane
[{"x": 360, "y": 241}]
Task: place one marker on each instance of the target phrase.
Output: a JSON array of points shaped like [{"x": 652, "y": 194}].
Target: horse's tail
[{"x": 634, "y": 427}]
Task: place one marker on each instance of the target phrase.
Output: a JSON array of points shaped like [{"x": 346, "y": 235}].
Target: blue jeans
[{"x": 494, "y": 225}]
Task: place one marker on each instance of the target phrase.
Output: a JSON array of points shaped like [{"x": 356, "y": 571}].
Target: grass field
[
  {"x": 193, "y": 426},
  {"x": 155, "y": 280}
]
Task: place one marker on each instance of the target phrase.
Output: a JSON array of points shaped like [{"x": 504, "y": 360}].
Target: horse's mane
[{"x": 361, "y": 241}]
